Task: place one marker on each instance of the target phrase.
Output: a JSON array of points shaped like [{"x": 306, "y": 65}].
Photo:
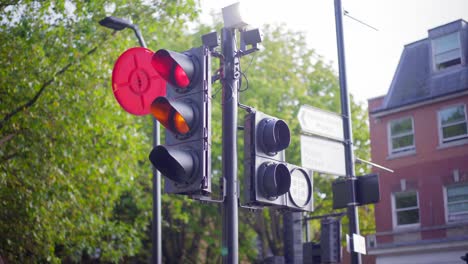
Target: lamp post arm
[{"x": 138, "y": 35}]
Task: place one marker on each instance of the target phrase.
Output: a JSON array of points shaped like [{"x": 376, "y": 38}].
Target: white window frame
[
  {"x": 406, "y": 149},
  {"x": 395, "y": 211},
  {"x": 447, "y": 220},
  {"x": 459, "y": 48},
  {"x": 444, "y": 141}
]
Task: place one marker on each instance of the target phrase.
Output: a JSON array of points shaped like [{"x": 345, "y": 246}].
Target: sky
[{"x": 371, "y": 55}]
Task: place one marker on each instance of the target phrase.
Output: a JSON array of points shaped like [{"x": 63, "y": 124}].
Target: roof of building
[{"x": 416, "y": 79}]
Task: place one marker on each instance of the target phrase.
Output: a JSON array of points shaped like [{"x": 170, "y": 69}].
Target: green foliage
[{"x": 74, "y": 175}]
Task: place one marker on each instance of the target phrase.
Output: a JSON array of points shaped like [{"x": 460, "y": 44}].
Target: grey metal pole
[
  {"x": 140, "y": 38},
  {"x": 156, "y": 230},
  {"x": 348, "y": 134},
  {"x": 230, "y": 84}
]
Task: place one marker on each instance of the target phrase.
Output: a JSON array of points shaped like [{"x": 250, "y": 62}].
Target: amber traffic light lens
[
  {"x": 180, "y": 124},
  {"x": 160, "y": 109},
  {"x": 176, "y": 117}
]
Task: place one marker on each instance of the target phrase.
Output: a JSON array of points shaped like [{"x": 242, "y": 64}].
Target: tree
[{"x": 74, "y": 175}]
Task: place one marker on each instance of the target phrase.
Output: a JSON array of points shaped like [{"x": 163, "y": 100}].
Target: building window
[
  {"x": 453, "y": 123},
  {"x": 401, "y": 135},
  {"x": 447, "y": 51},
  {"x": 457, "y": 202},
  {"x": 406, "y": 208}
]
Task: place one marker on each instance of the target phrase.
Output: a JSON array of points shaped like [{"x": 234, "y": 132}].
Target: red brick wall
[{"x": 428, "y": 170}]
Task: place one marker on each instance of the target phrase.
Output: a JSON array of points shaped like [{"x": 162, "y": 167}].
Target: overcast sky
[{"x": 371, "y": 56}]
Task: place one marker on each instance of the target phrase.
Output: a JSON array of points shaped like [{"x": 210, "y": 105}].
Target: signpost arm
[{"x": 347, "y": 129}]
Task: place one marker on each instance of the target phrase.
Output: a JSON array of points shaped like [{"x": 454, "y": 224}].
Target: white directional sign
[
  {"x": 320, "y": 122},
  {"x": 323, "y": 155}
]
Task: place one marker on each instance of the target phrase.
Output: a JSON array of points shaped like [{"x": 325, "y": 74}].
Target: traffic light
[
  {"x": 269, "y": 180},
  {"x": 185, "y": 158},
  {"x": 330, "y": 240}
]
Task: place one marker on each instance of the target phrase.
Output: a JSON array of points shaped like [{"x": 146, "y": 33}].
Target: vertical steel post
[
  {"x": 156, "y": 226},
  {"x": 230, "y": 82},
  {"x": 292, "y": 231},
  {"x": 156, "y": 237},
  {"x": 347, "y": 129}
]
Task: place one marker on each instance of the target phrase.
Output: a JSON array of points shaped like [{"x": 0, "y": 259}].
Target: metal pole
[
  {"x": 348, "y": 134},
  {"x": 140, "y": 38},
  {"x": 156, "y": 231},
  {"x": 229, "y": 127}
]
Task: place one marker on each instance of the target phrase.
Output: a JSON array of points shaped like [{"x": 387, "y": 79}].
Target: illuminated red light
[
  {"x": 169, "y": 69},
  {"x": 180, "y": 77},
  {"x": 162, "y": 63}
]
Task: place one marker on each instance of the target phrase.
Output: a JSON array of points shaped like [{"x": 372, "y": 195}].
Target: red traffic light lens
[
  {"x": 176, "y": 117},
  {"x": 173, "y": 67},
  {"x": 180, "y": 77}
]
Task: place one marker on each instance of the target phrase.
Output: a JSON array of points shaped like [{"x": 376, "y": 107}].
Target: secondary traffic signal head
[
  {"x": 267, "y": 176},
  {"x": 185, "y": 112},
  {"x": 269, "y": 180}
]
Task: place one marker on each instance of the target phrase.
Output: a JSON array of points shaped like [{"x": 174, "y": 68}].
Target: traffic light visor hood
[
  {"x": 175, "y": 68},
  {"x": 274, "y": 135},
  {"x": 177, "y": 117},
  {"x": 276, "y": 179},
  {"x": 176, "y": 165}
]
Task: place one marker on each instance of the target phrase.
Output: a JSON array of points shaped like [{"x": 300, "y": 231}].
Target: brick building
[{"x": 419, "y": 129}]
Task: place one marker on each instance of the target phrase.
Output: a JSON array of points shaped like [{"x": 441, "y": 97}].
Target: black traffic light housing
[
  {"x": 268, "y": 178},
  {"x": 185, "y": 158}
]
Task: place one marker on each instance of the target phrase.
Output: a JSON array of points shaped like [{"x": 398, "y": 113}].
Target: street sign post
[
  {"x": 322, "y": 149},
  {"x": 320, "y": 122},
  {"x": 323, "y": 155}
]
